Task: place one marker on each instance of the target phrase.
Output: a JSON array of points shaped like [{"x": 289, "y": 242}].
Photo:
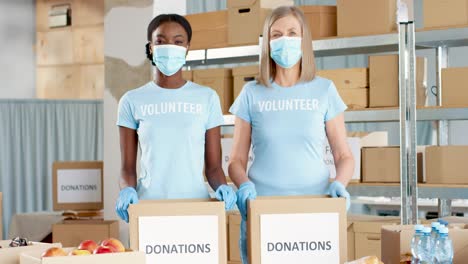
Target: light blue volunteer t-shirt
[
  {"x": 171, "y": 126},
  {"x": 288, "y": 134}
]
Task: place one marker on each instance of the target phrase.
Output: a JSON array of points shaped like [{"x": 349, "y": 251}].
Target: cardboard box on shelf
[
  {"x": 396, "y": 241},
  {"x": 157, "y": 225},
  {"x": 347, "y": 78},
  {"x": 321, "y": 20},
  {"x": 243, "y": 75},
  {"x": 446, "y": 164},
  {"x": 72, "y": 232},
  {"x": 381, "y": 164},
  {"x": 219, "y": 80},
  {"x": 355, "y": 98},
  {"x": 187, "y": 75},
  {"x": 12, "y": 255},
  {"x": 315, "y": 225},
  {"x": 234, "y": 235},
  {"x": 454, "y": 90},
  {"x": 356, "y": 141},
  {"x": 252, "y": 13},
  {"x": 445, "y": 13},
  {"x": 209, "y": 30},
  {"x": 384, "y": 84},
  {"x": 34, "y": 257},
  {"x": 366, "y": 17}
]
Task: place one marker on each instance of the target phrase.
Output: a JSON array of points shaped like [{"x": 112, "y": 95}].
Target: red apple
[
  {"x": 114, "y": 244},
  {"x": 79, "y": 252},
  {"x": 103, "y": 250},
  {"x": 88, "y": 245},
  {"x": 54, "y": 252}
]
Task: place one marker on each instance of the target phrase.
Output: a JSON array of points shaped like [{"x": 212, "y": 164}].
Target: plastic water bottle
[
  {"x": 415, "y": 241},
  {"x": 425, "y": 247},
  {"x": 434, "y": 232},
  {"x": 443, "y": 248}
]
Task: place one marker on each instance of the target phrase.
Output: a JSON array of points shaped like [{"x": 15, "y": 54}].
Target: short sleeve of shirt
[
  {"x": 335, "y": 104},
  {"x": 241, "y": 106},
  {"x": 215, "y": 114},
  {"x": 125, "y": 117}
]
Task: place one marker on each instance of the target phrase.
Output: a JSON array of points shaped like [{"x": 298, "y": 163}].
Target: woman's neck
[
  {"x": 170, "y": 82},
  {"x": 287, "y": 77}
]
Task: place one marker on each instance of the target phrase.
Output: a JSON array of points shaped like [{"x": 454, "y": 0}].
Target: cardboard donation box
[
  {"x": 446, "y": 164},
  {"x": 78, "y": 185},
  {"x": 297, "y": 229},
  {"x": 219, "y": 80},
  {"x": 234, "y": 235},
  {"x": 209, "y": 30},
  {"x": 243, "y": 75},
  {"x": 12, "y": 255},
  {"x": 396, "y": 241},
  {"x": 445, "y": 13},
  {"x": 356, "y": 141},
  {"x": 321, "y": 20},
  {"x": 179, "y": 231},
  {"x": 454, "y": 90},
  {"x": 34, "y": 257},
  {"x": 72, "y": 232}
]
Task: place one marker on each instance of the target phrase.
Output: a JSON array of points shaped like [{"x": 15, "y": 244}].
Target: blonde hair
[{"x": 268, "y": 66}]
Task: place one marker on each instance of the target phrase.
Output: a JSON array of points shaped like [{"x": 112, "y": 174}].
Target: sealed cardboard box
[
  {"x": 243, "y": 75},
  {"x": 446, "y": 164},
  {"x": 34, "y": 257},
  {"x": 381, "y": 164},
  {"x": 321, "y": 20},
  {"x": 219, "y": 80},
  {"x": 12, "y": 255},
  {"x": 396, "y": 241},
  {"x": 454, "y": 89},
  {"x": 209, "y": 30},
  {"x": 297, "y": 229},
  {"x": 445, "y": 13},
  {"x": 384, "y": 81},
  {"x": 179, "y": 231},
  {"x": 347, "y": 78},
  {"x": 234, "y": 235},
  {"x": 247, "y": 17},
  {"x": 356, "y": 141},
  {"x": 72, "y": 232},
  {"x": 366, "y": 17},
  {"x": 187, "y": 75},
  {"x": 355, "y": 98}
]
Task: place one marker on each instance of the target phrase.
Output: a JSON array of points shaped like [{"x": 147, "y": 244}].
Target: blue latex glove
[
  {"x": 337, "y": 189},
  {"x": 228, "y": 195},
  {"x": 243, "y": 242},
  {"x": 127, "y": 196},
  {"x": 246, "y": 192}
]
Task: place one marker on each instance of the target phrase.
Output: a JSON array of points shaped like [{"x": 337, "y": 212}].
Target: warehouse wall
[{"x": 17, "y": 39}]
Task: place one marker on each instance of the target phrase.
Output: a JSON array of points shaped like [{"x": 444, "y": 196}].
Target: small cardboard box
[
  {"x": 172, "y": 231},
  {"x": 78, "y": 185},
  {"x": 297, "y": 229},
  {"x": 187, "y": 75},
  {"x": 72, "y": 232},
  {"x": 209, "y": 30},
  {"x": 347, "y": 78},
  {"x": 12, "y": 255},
  {"x": 384, "y": 81},
  {"x": 446, "y": 164},
  {"x": 355, "y": 98},
  {"x": 366, "y": 17},
  {"x": 381, "y": 164},
  {"x": 219, "y": 80},
  {"x": 321, "y": 20},
  {"x": 243, "y": 75},
  {"x": 234, "y": 236},
  {"x": 445, "y": 13},
  {"x": 247, "y": 17},
  {"x": 356, "y": 141},
  {"x": 34, "y": 257},
  {"x": 454, "y": 88},
  {"x": 396, "y": 241}
]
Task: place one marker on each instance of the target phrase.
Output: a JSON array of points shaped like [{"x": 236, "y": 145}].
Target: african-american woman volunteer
[
  {"x": 286, "y": 115},
  {"x": 176, "y": 125}
]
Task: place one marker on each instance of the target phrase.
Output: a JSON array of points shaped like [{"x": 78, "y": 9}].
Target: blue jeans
[{"x": 243, "y": 242}]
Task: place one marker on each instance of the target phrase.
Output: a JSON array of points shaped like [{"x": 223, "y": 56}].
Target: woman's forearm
[
  {"x": 237, "y": 173},
  {"x": 215, "y": 177},
  {"x": 128, "y": 179},
  {"x": 344, "y": 169}
]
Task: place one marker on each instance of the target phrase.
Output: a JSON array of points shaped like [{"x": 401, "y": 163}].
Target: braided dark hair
[{"x": 161, "y": 19}]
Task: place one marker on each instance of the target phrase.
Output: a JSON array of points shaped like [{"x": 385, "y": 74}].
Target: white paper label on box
[
  {"x": 300, "y": 238},
  {"x": 355, "y": 146},
  {"x": 179, "y": 239},
  {"x": 79, "y": 186},
  {"x": 226, "y": 146}
]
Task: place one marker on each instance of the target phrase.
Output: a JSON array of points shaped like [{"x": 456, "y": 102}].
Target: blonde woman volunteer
[
  {"x": 176, "y": 125},
  {"x": 286, "y": 115}
]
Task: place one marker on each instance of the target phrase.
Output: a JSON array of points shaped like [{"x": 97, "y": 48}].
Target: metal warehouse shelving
[{"x": 405, "y": 42}]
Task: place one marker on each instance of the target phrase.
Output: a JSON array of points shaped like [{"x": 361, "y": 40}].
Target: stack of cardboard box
[
  {"x": 443, "y": 13},
  {"x": 220, "y": 80},
  {"x": 321, "y": 20}
]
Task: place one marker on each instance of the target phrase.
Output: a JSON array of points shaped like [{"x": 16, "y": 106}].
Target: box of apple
[{"x": 88, "y": 252}]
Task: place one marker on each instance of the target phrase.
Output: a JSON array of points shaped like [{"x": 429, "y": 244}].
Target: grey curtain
[{"x": 34, "y": 134}]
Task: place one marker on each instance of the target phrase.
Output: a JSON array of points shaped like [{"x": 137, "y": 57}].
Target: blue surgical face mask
[
  {"x": 169, "y": 58},
  {"x": 286, "y": 51}
]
